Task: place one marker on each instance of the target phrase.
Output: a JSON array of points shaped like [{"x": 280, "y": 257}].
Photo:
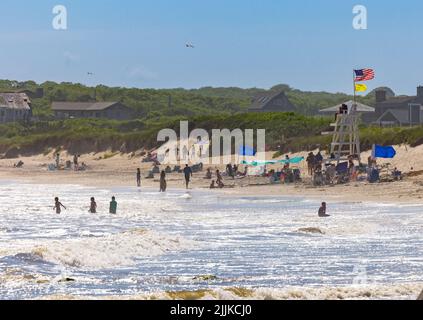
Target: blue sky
[{"x": 308, "y": 44}]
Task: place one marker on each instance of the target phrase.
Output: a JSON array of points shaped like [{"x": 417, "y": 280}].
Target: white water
[{"x": 167, "y": 242}]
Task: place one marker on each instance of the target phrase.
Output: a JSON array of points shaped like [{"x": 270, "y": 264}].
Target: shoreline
[
  {"x": 408, "y": 191},
  {"x": 120, "y": 171}
]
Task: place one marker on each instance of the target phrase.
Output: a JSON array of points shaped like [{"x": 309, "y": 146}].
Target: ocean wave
[
  {"x": 114, "y": 250},
  {"x": 407, "y": 291}
]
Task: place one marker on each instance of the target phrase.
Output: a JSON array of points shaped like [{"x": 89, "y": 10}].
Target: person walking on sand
[
  {"x": 75, "y": 162},
  {"x": 93, "y": 206},
  {"x": 188, "y": 175},
  {"x": 113, "y": 206},
  {"x": 322, "y": 211},
  {"x": 58, "y": 205},
  {"x": 139, "y": 177},
  {"x": 57, "y": 160},
  {"x": 163, "y": 183}
]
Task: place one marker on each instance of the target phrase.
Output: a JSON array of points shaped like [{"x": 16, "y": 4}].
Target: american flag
[{"x": 364, "y": 74}]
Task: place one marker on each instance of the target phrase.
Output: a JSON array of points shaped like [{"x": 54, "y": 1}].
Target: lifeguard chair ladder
[{"x": 346, "y": 137}]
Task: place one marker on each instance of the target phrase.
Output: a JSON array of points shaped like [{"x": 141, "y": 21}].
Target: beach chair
[
  {"x": 374, "y": 176},
  {"x": 342, "y": 174}
]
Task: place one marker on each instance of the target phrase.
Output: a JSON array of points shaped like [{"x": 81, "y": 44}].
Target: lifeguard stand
[{"x": 346, "y": 137}]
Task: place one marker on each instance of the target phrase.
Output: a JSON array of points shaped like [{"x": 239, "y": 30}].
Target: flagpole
[{"x": 354, "y": 86}]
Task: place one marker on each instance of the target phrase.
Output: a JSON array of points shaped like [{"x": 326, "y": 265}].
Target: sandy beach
[{"x": 106, "y": 169}]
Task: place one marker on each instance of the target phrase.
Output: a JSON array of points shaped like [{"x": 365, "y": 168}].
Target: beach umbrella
[{"x": 383, "y": 152}]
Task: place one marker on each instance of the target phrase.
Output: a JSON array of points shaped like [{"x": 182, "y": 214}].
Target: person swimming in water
[
  {"x": 93, "y": 206},
  {"x": 322, "y": 211},
  {"x": 58, "y": 205}
]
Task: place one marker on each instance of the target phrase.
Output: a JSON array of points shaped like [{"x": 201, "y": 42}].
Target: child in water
[
  {"x": 58, "y": 205},
  {"x": 322, "y": 211},
  {"x": 93, "y": 206}
]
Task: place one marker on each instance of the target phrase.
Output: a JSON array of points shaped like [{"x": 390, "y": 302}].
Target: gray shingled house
[
  {"x": 101, "y": 110},
  {"x": 272, "y": 102},
  {"x": 15, "y": 107},
  {"x": 402, "y": 110}
]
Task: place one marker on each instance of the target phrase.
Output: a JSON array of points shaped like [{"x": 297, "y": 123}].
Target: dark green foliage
[{"x": 155, "y": 104}]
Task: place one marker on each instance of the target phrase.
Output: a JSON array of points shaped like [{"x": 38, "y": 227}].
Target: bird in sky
[
  {"x": 90, "y": 73},
  {"x": 189, "y": 45}
]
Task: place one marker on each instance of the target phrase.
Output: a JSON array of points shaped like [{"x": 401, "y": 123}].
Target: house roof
[
  {"x": 260, "y": 101},
  {"x": 402, "y": 116},
  {"x": 360, "y": 107},
  {"x": 15, "y": 101},
  {"x": 81, "y": 106},
  {"x": 397, "y": 100}
]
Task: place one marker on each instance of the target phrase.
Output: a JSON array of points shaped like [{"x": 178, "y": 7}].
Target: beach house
[
  {"x": 101, "y": 110},
  {"x": 15, "y": 107},
  {"x": 271, "y": 102},
  {"x": 397, "y": 111}
]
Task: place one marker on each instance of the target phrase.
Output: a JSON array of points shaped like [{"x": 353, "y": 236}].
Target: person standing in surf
[
  {"x": 93, "y": 206},
  {"x": 58, "y": 206},
  {"x": 113, "y": 206}
]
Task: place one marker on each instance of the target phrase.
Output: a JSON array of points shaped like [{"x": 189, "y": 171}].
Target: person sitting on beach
[
  {"x": 19, "y": 164},
  {"x": 322, "y": 211},
  {"x": 220, "y": 184},
  {"x": 93, "y": 206},
  {"x": 213, "y": 185},
  {"x": 83, "y": 167},
  {"x": 163, "y": 183},
  {"x": 208, "y": 174},
  {"x": 58, "y": 205},
  {"x": 397, "y": 174},
  {"x": 113, "y": 206}
]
